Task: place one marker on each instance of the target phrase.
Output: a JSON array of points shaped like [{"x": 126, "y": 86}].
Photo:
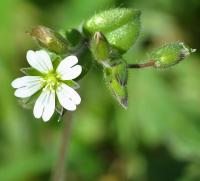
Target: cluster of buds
[{"x": 113, "y": 32}]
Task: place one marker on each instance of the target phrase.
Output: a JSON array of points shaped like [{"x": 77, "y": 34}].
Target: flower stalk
[
  {"x": 150, "y": 63},
  {"x": 59, "y": 171}
]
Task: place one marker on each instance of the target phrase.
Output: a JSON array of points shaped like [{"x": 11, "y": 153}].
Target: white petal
[
  {"x": 72, "y": 73},
  {"x": 45, "y": 105},
  {"x": 49, "y": 107},
  {"x": 66, "y": 63},
  {"x": 39, "y": 105},
  {"x": 65, "y": 101},
  {"x": 74, "y": 96},
  {"x": 45, "y": 58},
  {"x": 68, "y": 97},
  {"x": 27, "y": 91},
  {"x": 25, "y": 81},
  {"x": 67, "y": 70},
  {"x": 39, "y": 60}
]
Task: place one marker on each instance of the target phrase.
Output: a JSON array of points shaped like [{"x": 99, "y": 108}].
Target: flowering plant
[
  {"x": 104, "y": 39},
  {"x": 68, "y": 55}
]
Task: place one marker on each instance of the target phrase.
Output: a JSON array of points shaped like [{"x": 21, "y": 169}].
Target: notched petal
[
  {"x": 45, "y": 105},
  {"x": 39, "y": 60},
  {"x": 68, "y": 69},
  {"x": 68, "y": 97},
  {"x": 25, "y": 81}
]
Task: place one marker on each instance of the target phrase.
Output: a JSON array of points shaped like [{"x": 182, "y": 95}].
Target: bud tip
[{"x": 124, "y": 102}]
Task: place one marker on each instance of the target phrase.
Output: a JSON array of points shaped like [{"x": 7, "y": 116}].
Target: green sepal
[
  {"x": 116, "y": 79},
  {"x": 85, "y": 60},
  {"x": 56, "y": 61},
  {"x": 29, "y": 102},
  {"x": 73, "y": 36},
  {"x": 121, "y": 26},
  {"x": 170, "y": 54},
  {"x": 120, "y": 72},
  {"x": 72, "y": 84},
  {"x": 31, "y": 71}
]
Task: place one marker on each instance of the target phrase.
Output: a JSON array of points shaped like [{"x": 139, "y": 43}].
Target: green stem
[
  {"x": 59, "y": 172},
  {"x": 151, "y": 63}
]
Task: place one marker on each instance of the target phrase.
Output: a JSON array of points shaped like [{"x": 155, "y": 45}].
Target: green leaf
[
  {"x": 121, "y": 26},
  {"x": 116, "y": 80}
]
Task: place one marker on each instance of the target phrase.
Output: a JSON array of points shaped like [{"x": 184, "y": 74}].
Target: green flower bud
[
  {"x": 100, "y": 47},
  {"x": 120, "y": 26},
  {"x": 50, "y": 39},
  {"x": 170, "y": 54},
  {"x": 116, "y": 79}
]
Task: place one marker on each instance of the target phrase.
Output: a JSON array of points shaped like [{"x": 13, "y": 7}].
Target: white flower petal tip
[
  {"x": 27, "y": 91},
  {"x": 68, "y": 97},
  {"x": 39, "y": 60},
  {"x": 26, "y": 86},
  {"x": 24, "y": 81},
  {"x": 45, "y": 106},
  {"x": 68, "y": 69}
]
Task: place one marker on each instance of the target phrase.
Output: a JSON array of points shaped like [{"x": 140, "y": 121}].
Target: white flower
[{"x": 52, "y": 82}]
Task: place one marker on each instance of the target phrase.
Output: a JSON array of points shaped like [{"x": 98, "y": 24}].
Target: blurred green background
[{"x": 156, "y": 139}]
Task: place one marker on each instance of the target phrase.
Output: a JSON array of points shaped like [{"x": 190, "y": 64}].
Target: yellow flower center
[{"x": 51, "y": 80}]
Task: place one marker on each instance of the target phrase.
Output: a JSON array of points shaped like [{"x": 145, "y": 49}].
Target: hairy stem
[
  {"x": 59, "y": 172},
  {"x": 151, "y": 63}
]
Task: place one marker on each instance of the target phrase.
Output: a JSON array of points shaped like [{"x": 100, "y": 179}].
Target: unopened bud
[
  {"x": 121, "y": 26},
  {"x": 50, "y": 39},
  {"x": 170, "y": 54},
  {"x": 116, "y": 79},
  {"x": 100, "y": 47}
]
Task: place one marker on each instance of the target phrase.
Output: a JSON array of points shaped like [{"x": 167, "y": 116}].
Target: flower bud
[
  {"x": 120, "y": 26},
  {"x": 99, "y": 47},
  {"x": 170, "y": 54},
  {"x": 50, "y": 39},
  {"x": 116, "y": 79}
]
